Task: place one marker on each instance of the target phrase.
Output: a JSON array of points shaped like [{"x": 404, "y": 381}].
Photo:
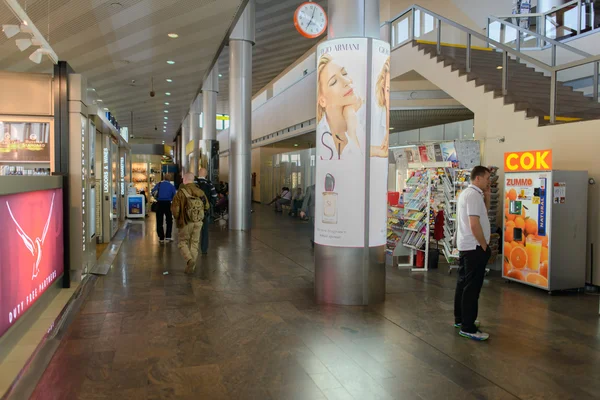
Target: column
[
  {"x": 185, "y": 138},
  {"x": 195, "y": 134},
  {"x": 352, "y": 156},
  {"x": 209, "y": 145},
  {"x": 241, "y": 41}
]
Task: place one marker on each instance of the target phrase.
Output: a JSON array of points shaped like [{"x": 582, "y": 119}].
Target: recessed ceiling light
[
  {"x": 166, "y": 111},
  {"x": 100, "y": 100},
  {"x": 167, "y": 103},
  {"x": 116, "y": 5},
  {"x": 499, "y": 67},
  {"x": 168, "y": 93},
  {"x": 169, "y": 80},
  {"x": 173, "y": 35},
  {"x": 391, "y": 128},
  {"x": 166, "y": 117},
  {"x": 170, "y": 62},
  {"x": 165, "y": 122},
  {"x": 220, "y": 75},
  {"x": 105, "y": 109},
  {"x": 296, "y": 145},
  {"x": 92, "y": 89},
  {"x": 163, "y": 142}
]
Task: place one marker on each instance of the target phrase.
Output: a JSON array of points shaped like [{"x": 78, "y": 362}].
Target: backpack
[
  {"x": 194, "y": 207},
  {"x": 206, "y": 187}
]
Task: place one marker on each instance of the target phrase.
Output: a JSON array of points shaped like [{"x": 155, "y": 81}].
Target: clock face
[{"x": 310, "y": 20}]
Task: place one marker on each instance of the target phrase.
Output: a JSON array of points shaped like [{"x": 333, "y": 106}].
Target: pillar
[
  {"x": 185, "y": 138},
  {"x": 209, "y": 144},
  {"x": 352, "y": 156},
  {"x": 241, "y": 41},
  {"x": 195, "y": 134}
]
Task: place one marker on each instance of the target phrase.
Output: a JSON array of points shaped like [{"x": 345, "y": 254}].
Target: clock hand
[{"x": 311, "y": 17}]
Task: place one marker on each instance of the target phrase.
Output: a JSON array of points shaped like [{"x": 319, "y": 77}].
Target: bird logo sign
[{"x": 34, "y": 246}]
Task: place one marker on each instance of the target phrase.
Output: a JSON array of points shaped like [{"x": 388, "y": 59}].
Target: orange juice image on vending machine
[{"x": 525, "y": 228}]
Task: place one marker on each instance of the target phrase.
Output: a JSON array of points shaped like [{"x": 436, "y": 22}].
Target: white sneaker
[
  {"x": 478, "y": 336},
  {"x": 161, "y": 241},
  {"x": 168, "y": 239}
]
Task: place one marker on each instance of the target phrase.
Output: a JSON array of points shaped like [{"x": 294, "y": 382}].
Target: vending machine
[{"x": 545, "y": 226}]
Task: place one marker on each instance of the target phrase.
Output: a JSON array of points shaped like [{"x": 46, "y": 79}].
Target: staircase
[{"x": 526, "y": 88}]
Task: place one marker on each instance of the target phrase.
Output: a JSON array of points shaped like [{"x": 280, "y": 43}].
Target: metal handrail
[
  {"x": 554, "y": 43},
  {"x": 506, "y": 50},
  {"x": 544, "y": 14},
  {"x": 550, "y": 12}
]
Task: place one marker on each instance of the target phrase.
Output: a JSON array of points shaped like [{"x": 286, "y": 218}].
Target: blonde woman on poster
[
  {"x": 380, "y": 135},
  {"x": 337, "y": 109}
]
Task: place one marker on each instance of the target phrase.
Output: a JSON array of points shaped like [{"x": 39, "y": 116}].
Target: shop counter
[{"x": 31, "y": 245}]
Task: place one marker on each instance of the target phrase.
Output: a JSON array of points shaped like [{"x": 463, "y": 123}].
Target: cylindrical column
[
  {"x": 240, "y": 127},
  {"x": 352, "y": 155},
  {"x": 185, "y": 138},
  {"x": 210, "y": 145},
  {"x": 210, "y": 90},
  {"x": 194, "y": 121}
]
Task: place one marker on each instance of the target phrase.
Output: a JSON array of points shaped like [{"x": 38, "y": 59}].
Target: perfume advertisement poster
[
  {"x": 341, "y": 142},
  {"x": 25, "y": 141},
  {"x": 380, "y": 117},
  {"x": 31, "y": 244}
]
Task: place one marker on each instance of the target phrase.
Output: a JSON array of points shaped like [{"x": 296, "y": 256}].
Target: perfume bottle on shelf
[{"x": 330, "y": 211}]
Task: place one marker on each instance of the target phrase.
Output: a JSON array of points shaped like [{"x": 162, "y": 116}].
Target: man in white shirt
[{"x": 473, "y": 238}]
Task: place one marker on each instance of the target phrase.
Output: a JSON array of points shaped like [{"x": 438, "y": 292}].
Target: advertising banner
[
  {"x": 533, "y": 160},
  {"x": 135, "y": 205},
  {"x": 341, "y": 142},
  {"x": 379, "y": 153},
  {"x": 31, "y": 245},
  {"x": 25, "y": 142},
  {"x": 526, "y": 229}
]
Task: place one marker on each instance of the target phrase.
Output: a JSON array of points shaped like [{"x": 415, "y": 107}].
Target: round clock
[{"x": 310, "y": 20}]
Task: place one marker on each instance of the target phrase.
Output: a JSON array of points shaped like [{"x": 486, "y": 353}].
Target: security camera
[{"x": 152, "y": 93}]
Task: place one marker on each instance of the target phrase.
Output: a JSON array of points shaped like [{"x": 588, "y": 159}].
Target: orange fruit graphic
[
  {"x": 537, "y": 279},
  {"x": 518, "y": 257},
  {"x": 506, "y": 268},
  {"x": 544, "y": 240},
  {"x": 516, "y": 244},
  {"x": 509, "y": 235},
  {"x": 544, "y": 255},
  {"x": 507, "y": 248},
  {"x": 515, "y": 274},
  {"x": 520, "y": 222},
  {"x": 531, "y": 227},
  {"x": 544, "y": 269},
  {"x": 512, "y": 194}
]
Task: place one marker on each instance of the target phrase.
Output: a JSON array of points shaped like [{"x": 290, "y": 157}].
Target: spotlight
[
  {"x": 11, "y": 30},
  {"x": 24, "y": 44},
  {"x": 36, "y": 56}
]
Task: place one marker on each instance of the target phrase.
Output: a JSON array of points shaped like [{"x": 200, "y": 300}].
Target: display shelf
[
  {"x": 455, "y": 181},
  {"x": 416, "y": 214}
]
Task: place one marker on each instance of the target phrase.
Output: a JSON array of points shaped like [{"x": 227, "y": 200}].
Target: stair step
[{"x": 528, "y": 90}]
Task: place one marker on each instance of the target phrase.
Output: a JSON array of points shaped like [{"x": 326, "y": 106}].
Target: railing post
[
  {"x": 504, "y": 73},
  {"x": 439, "y": 37},
  {"x": 553, "y": 61},
  {"x": 595, "y": 82},
  {"x": 543, "y": 23},
  {"x": 553, "y": 96},
  {"x": 412, "y": 29},
  {"x": 579, "y": 17},
  {"x": 488, "y": 33},
  {"x": 468, "y": 52},
  {"x": 518, "y": 42}
]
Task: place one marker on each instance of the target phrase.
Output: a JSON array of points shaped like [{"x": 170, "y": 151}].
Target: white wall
[
  {"x": 574, "y": 145},
  {"x": 295, "y": 74}
]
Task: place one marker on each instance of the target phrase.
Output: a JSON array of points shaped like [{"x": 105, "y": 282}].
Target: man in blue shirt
[{"x": 164, "y": 192}]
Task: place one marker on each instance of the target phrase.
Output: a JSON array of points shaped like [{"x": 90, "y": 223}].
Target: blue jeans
[{"x": 204, "y": 236}]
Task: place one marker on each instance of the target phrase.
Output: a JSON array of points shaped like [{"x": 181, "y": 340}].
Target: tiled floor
[{"x": 245, "y": 327}]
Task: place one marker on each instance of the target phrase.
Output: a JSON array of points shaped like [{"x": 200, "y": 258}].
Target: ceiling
[
  {"x": 278, "y": 45},
  {"x": 119, "y": 45}
]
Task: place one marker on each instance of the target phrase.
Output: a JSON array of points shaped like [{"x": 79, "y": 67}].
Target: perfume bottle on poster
[{"x": 330, "y": 211}]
